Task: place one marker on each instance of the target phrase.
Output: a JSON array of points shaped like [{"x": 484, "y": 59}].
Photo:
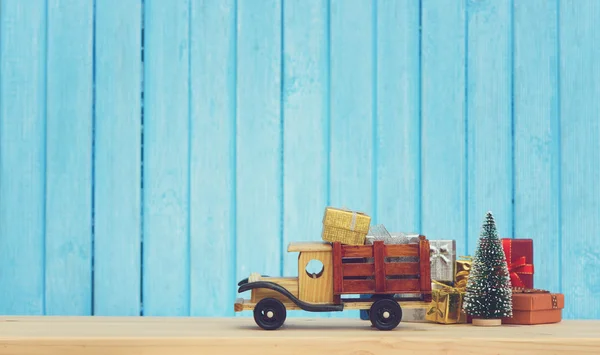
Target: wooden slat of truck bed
[{"x": 179, "y": 336}]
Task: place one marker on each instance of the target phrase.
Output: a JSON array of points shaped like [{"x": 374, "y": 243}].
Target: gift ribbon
[
  {"x": 449, "y": 288},
  {"x": 434, "y": 308},
  {"x": 528, "y": 290},
  {"x": 438, "y": 253},
  {"x": 462, "y": 276},
  {"x": 516, "y": 267},
  {"x": 353, "y": 222}
]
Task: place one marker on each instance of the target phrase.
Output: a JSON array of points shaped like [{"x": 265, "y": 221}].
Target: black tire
[
  {"x": 385, "y": 314},
  {"x": 269, "y": 314}
]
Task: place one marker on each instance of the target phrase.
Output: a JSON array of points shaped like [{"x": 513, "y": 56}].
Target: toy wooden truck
[{"x": 347, "y": 270}]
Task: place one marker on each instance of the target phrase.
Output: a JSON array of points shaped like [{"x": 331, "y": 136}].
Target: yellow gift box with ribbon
[
  {"x": 446, "y": 305},
  {"x": 345, "y": 226}
]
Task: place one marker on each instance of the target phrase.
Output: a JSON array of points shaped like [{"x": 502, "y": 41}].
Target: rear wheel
[
  {"x": 269, "y": 314},
  {"x": 385, "y": 314}
]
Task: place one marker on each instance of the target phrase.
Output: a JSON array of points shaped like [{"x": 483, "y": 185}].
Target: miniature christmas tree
[{"x": 488, "y": 294}]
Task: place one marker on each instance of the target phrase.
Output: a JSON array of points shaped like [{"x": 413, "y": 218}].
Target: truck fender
[{"x": 303, "y": 305}]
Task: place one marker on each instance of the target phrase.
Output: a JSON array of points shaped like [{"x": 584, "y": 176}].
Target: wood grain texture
[
  {"x": 443, "y": 119},
  {"x": 117, "y": 164},
  {"x": 358, "y": 286},
  {"x": 69, "y": 127},
  {"x": 308, "y": 246},
  {"x": 402, "y": 285},
  {"x": 424, "y": 269},
  {"x": 212, "y": 159},
  {"x": 22, "y": 155},
  {"x": 379, "y": 256},
  {"x": 259, "y": 146},
  {"x": 397, "y": 143},
  {"x": 537, "y": 140},
  {"x": 319, "y": 289},
  {"x": 359, "y": 269},
  {"x": 289, "y": 283},
  {"x": 154, "y": 336},
  {"x": 242, "y": 305},
  {"x": 398, "y": 268},
  {"x": 352, "y": 105},
  {"x": 580, "y": 156},
  {"x": 305, "y": 100},
  {"x": 258, "y": 114},
  {"x": 398, "y": 250},
  {"x": 354, "y": 251},
  {"x": 489, "y": 123},
  {"x": 166, "y": 254},
  {"x": 305, "y": 110},
  {"x": 338, "y": 269}
]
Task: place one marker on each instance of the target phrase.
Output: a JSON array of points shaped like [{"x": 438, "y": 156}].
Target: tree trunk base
[{"x": 487, "y": 322}]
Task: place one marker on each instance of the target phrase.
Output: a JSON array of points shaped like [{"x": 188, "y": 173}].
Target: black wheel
[
  {"x": 385, "y": 314},
  {"x": 269, "y": 314}
]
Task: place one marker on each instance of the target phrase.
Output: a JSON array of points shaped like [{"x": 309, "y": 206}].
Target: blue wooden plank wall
[{"x": 154, "y": 152}]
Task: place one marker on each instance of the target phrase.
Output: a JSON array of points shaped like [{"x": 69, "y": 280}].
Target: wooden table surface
[{"x": 210, "y": 336}]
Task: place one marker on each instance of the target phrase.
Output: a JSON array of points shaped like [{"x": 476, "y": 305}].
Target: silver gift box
[
  {"x": 442, "y": 257},
  {"x": 414, "y": 314}
]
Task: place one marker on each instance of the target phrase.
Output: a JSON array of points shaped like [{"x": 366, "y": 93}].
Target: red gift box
[{"x": 519, "y": 259}]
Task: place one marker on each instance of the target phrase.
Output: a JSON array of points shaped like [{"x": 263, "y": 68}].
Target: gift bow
[
  {"x": 438, "y": 253},
  {"x": 516, "y": 267},
  {"x": 462, "y": 276}
]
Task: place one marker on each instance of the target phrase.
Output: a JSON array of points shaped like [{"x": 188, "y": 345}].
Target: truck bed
[{"x": 382, "y": 269}]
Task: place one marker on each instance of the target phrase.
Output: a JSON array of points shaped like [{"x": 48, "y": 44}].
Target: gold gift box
[
  {"x": 446, "y": 306},
  {"x": 344, "y": 226},
  {"x": 463, "y": 268}
]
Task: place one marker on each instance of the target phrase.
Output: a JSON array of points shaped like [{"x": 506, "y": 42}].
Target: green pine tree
[{"x": 489, "y": 293}]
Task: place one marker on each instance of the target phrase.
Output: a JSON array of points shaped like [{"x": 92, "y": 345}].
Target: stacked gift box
[
  {"x": 450, "y": 273},
  {"x": 345, "y": 226},
  {"x": 529, "y": 305}
]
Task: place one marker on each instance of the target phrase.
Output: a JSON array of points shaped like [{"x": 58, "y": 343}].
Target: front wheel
[
  {"x": 269, "y": 314},
  {"x": 385, "y": 314}
]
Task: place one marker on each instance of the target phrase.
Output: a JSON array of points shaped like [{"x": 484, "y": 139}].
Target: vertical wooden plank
[
  {"x": 305, "y": 100},
  {"x": 536, "y": 135},
  {"x": 397, "y": 146},
  {"x": 424, "y": 268},
  {"x": 580, "y": 156},
  {"x": 305, "y": 110},
  {"x": 117, "y": 214},
  {"x": 443, "y": 121},
  {"x": 22, "y": 155},
  {"x": 489, "y": 123},
  {"x": 69, "y": 158},
  {"x": 166, "y": 158},
  {"x": 212, "y": 192},
  {"x": 353, "y": 111},
  {"x": 379, "y": 257},
  {"x": 352, "y": 104},
  {"x": 338, "y": 271},
  {"x": 259, "y": 131}
]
